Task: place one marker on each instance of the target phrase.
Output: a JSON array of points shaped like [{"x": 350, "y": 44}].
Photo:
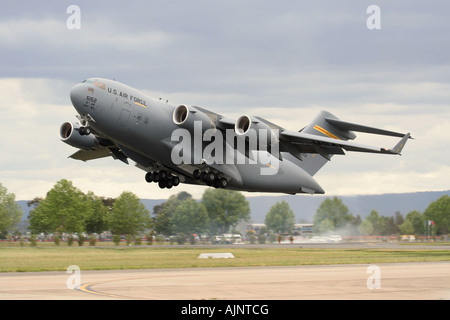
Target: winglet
[{"x": 399, "y": 146}]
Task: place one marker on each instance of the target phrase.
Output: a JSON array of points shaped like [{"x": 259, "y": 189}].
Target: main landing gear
[
  {"x": 211, "y": 179},
  {"x": 163, "y": 179},
  {"x": 167, "y": 180}
]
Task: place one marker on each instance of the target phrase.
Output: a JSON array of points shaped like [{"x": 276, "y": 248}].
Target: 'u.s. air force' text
[{"x": 127, "y": 96}]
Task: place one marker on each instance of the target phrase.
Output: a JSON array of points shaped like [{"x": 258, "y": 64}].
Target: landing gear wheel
[
  {"x": 85, "y": 131},
  {"x": 196, "y": 174},
  {"x": 223, "y": 183},
  {"x": 175, "y": 181},
  {"x": 149, "y": 177},
  {"x": 210, "y": 176},
  {"x": 162, "y": 174}
]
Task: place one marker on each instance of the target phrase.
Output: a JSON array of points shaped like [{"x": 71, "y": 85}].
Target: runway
[{"x": 406, "y": 281}]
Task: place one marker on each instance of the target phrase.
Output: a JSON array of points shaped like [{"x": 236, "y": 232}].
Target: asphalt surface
[{"x": 406, "y": 281}]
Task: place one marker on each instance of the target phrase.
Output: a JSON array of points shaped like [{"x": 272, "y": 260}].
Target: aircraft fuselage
[{"x": 188, "y": 144}]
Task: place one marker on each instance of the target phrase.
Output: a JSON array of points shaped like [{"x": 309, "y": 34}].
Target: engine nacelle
[
  {"x": 256, "y": 130},
  {"x": 70, "y": 134},
  {"x": 190, "y": 118}
]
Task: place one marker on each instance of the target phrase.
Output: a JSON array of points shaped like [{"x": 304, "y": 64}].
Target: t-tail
[{"x": 326, "y": 136}]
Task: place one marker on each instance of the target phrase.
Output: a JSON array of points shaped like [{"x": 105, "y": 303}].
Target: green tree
[
  {"x": 407, "y": 227},
  {"x": 64, "y": 209},
  {"x": 324, "y": 227},
  {"x": 439, "y": 212},
  {"x": 390, "y": 227},
  {"x": 366, "y": 228},
  {"x": 97, "y": 217},
  {"x": 129, "y": 216},
  {"x": 226, "y": 208},
  {"x": 262, "y": 235},
  {"x": 354, "y": 225},
  {"x": 398, "y": 219},
  {"x": 35, "y": 202},
  {"x": 335, "y": 211},
  {"x": 413, "y": 223},
  {"x": 10, "y": 212},
  {"x": 190, "y": 217},
  {"x": 163, "y": 220},
  {"x": 280, "y": 218},
  {"x": 377, "y": 221}
]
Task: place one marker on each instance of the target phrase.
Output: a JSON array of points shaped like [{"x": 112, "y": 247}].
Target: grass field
[{"x": 52, "y": 258}]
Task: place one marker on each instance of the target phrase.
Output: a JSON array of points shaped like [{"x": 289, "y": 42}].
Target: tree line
[
  {"x": 333, "y": 216},
  {"x": 66, "y": 209}
]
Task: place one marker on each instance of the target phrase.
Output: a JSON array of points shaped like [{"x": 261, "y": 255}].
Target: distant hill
[{"x": 305, "y": 206}]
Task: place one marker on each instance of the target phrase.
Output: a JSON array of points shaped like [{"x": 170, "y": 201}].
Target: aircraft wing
[{"x": 306, "y": 142}]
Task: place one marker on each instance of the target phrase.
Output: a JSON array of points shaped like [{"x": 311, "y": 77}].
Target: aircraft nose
[{"x": 77, "y": 96}]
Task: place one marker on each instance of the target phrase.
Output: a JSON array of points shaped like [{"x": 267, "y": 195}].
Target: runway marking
[
  {"x": 395, "y": 283},
  {"x": 87, "y": 288}
]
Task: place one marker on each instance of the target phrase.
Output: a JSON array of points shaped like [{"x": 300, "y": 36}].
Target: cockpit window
[{"x": 96, "y": 83}]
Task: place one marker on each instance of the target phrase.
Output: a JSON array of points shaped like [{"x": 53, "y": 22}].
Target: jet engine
[
  {"x": 70, "y": 133},
  {"x": 254, "y": 129},
  {"x": 191, "y": 118}
]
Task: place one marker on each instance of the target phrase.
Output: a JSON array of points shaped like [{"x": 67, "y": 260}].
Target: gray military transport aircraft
[{"x": 177, "y": 144}]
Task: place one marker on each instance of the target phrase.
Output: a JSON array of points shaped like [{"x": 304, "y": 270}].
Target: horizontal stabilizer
[
  {"x": 314, "y": 141},
  {"x": 344, "y": 125}
]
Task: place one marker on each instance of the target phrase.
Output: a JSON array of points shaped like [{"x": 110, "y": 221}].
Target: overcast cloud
[{"x": 282, "y": 60}]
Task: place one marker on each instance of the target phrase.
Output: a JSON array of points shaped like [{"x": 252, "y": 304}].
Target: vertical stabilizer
[{"x": 320, "y": 126}]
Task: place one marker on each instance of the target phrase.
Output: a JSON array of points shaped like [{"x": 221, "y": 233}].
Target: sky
[{"x": 282, "y": 60}]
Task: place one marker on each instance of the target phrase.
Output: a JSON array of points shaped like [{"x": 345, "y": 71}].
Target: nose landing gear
[{"x": 85, "y": 131}]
